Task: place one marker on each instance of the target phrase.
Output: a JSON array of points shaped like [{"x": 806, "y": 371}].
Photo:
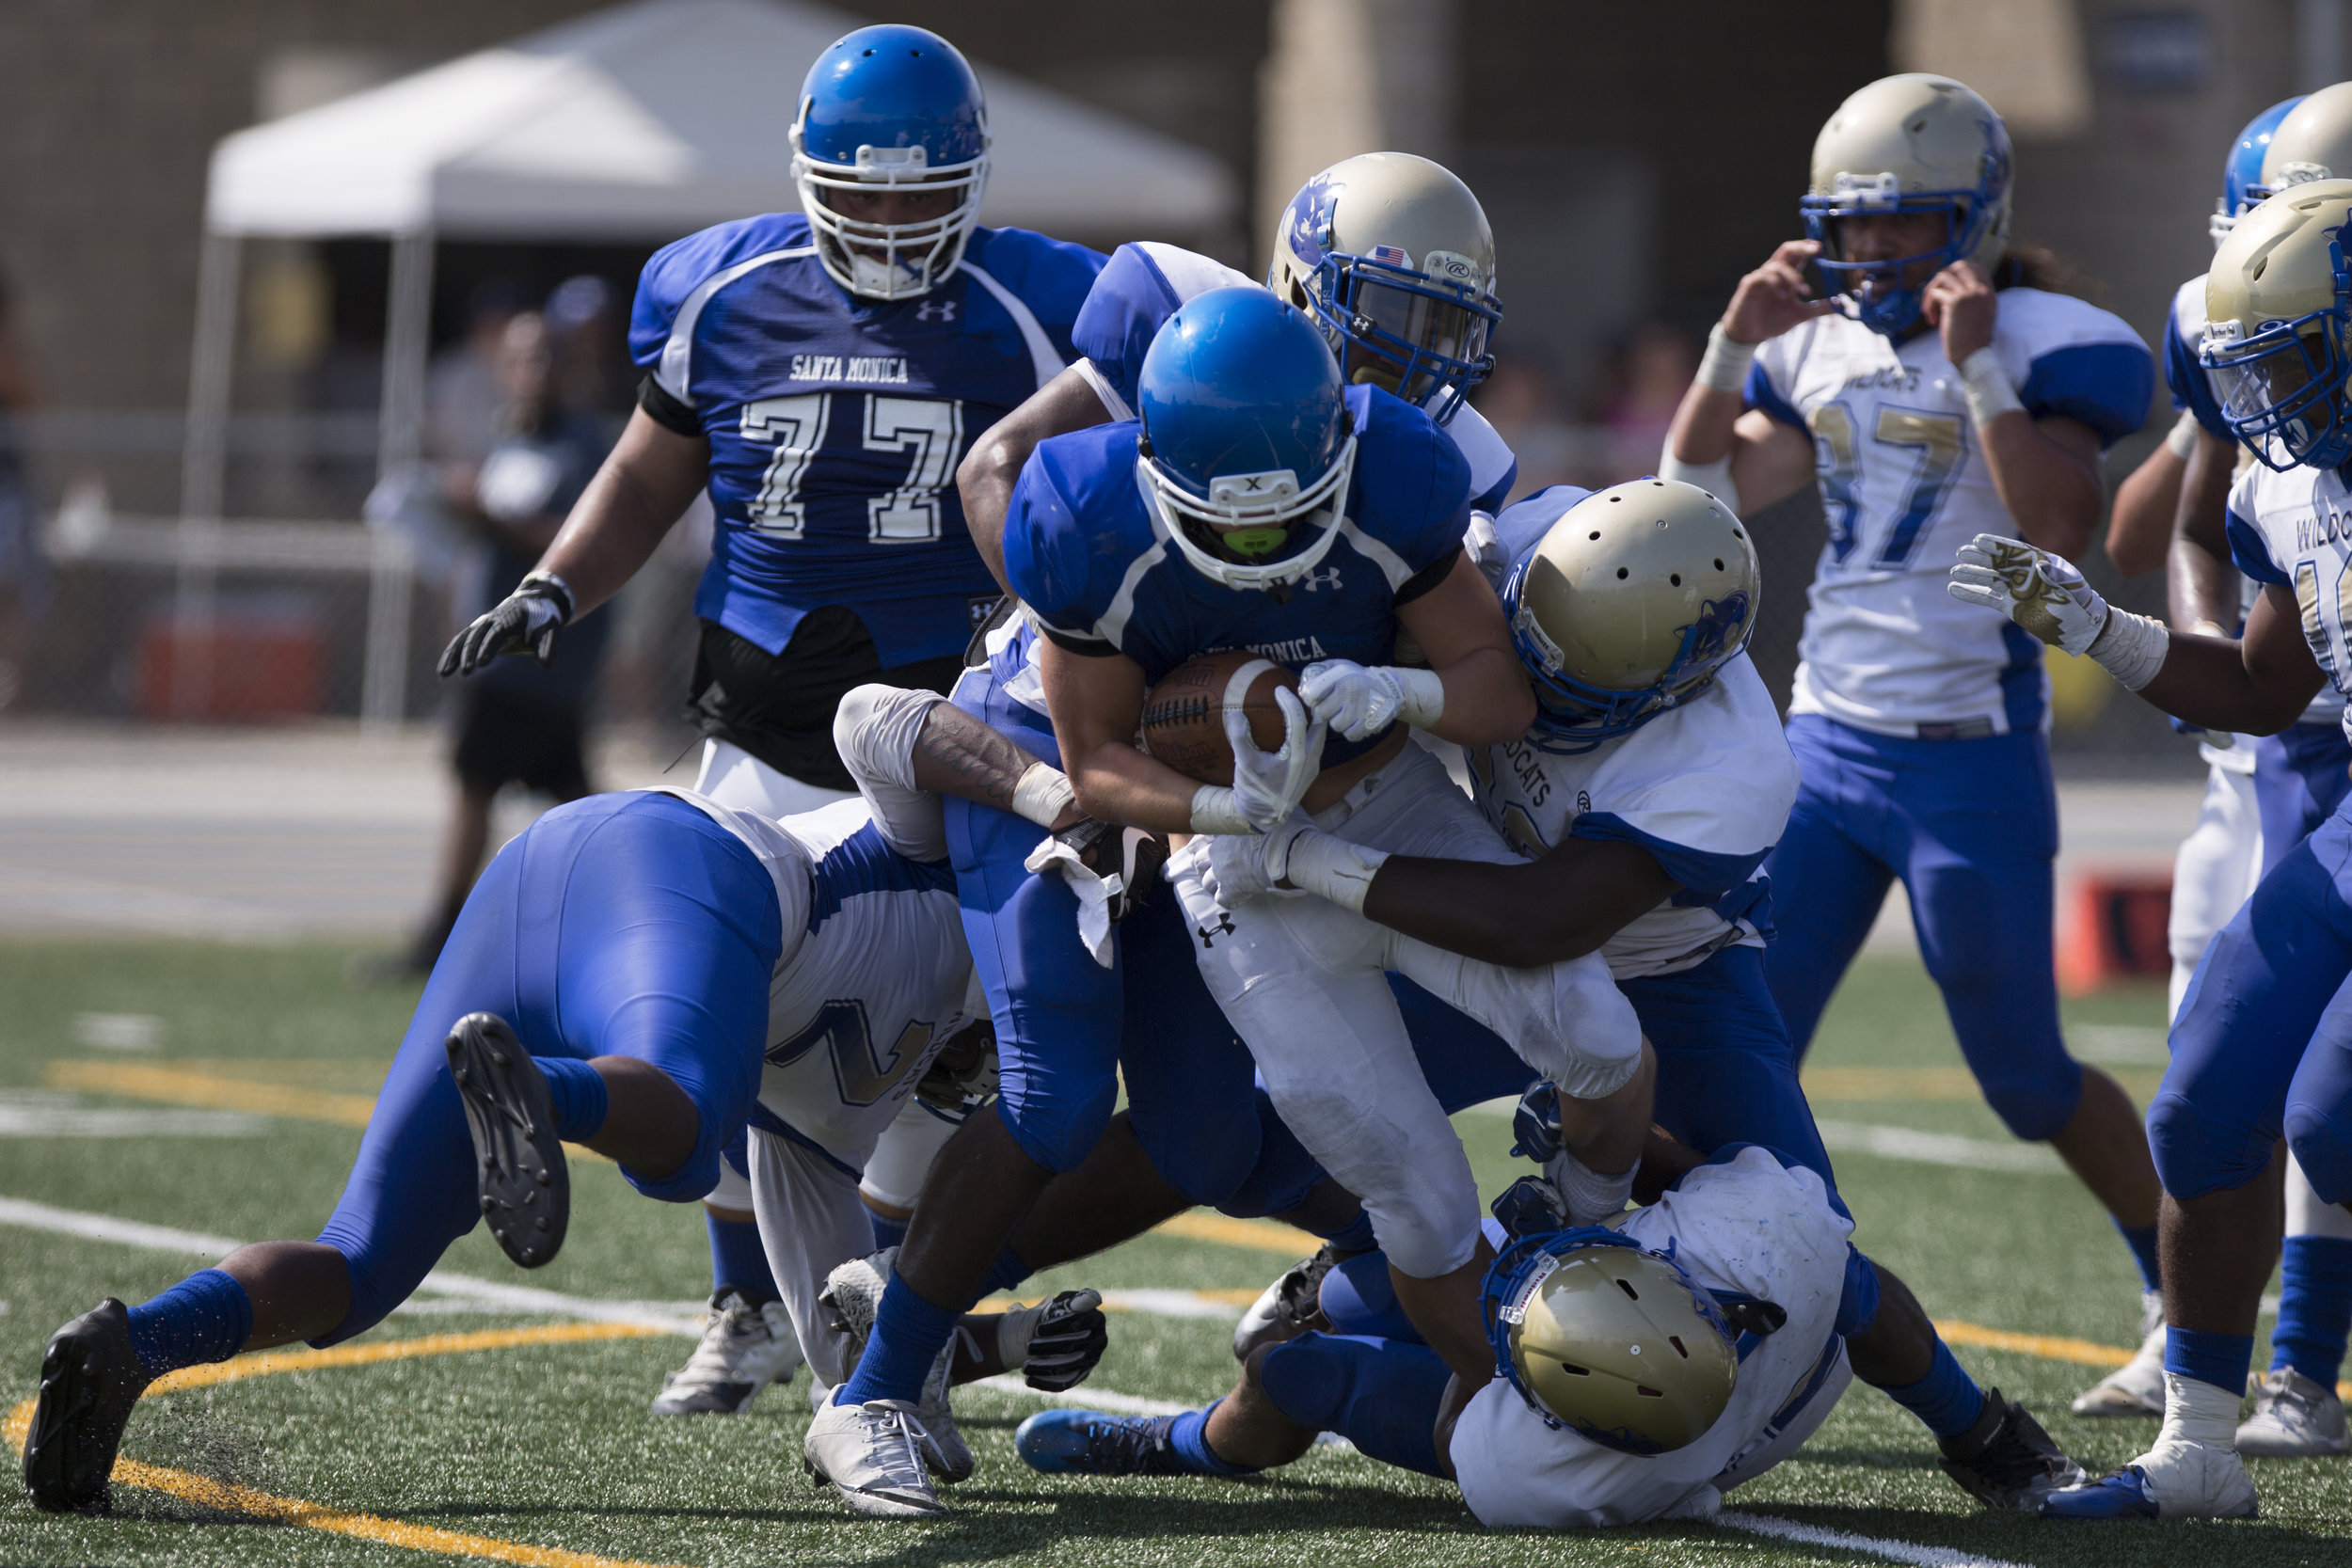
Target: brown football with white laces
[{"x": 1184, "y": 716}]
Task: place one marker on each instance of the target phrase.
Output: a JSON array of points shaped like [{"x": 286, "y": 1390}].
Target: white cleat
[
  {"x": 2293, "y": 1418},
  {"x": 2175, "y": 1479},
  {"x": 876, "y": 1457},
  {"x": 2135, "y": 1387},
  {"x": 852, "y": 1295},
  {"x": 743, "y": 1350}
]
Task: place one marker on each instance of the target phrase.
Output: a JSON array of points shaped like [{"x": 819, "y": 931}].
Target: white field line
[
  {"x": 47, "y": 1114},
  {"x": 1843, "y": 1540},
  {"x": 1901, "y": 1143}
]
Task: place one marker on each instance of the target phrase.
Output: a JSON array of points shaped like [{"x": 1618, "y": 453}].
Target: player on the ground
[
  {"x": 1642, "y": 1370},
  {"x": 1390, "y": 253},
  {"x": 821, "y": 372},
  {"x": 637, "y": 973},
  {"x": 2261, "y": 1049},
  {"x": 1646, "y": 798},
  {"x": 2264, "y": 796},
  {"x": 1939, "y": 393}
]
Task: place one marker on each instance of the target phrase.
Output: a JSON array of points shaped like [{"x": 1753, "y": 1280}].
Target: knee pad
[
  {"x": 2036, "y": 1099},
  {"x": 2323, "y": 1149},
  {"x": 2197, "y": 1153}
]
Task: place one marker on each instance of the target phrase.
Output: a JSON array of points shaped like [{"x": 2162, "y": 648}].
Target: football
[{"x": 1183, "y": 717}]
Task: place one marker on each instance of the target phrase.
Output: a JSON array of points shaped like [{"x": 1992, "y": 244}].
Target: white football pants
[
  {"x": 811, "y": 1221},
  {"x": 904, "y": 1157},
  {"x": 1304, "y": 983},
  {"x": 734, "y": 777}
]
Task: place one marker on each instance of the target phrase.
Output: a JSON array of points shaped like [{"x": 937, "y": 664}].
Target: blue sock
[
  {"x": 576, "y": 1090},
  {"x": 206, "y": 1317},
  {"x": 1355, "y": 1235},
  {"x": 2143, "y": 1245},
  {"x": 2220, "y": 1359},
  {"x": 2315, "y": 1307},
  {"x": 1006, "y": 1271},
  {"x": 1190, "y": 1436},
  {"x": 1947, "y": 1399},
  {"x": 907, "y": 1336},
  {"x": 739, "y": 1263},
  {"x": 887, "y": 1232}
]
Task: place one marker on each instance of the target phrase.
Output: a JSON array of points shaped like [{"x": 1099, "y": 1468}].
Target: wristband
[
  {"x": 547, "y": 585},
  {"x": 1331, "y": 867},
  {"x": 1424, "y": 693},
  {"x": 2131, "y": 648},
  {"x": 1714, "y": 478},
  {"x": 1043, "y": 795},
  {"x": 1986, "y": 387},
  {"x": 1216, "y": 810},
  {"x": 1724, "y": 368},
  {"x": 2181, "y": 438}
]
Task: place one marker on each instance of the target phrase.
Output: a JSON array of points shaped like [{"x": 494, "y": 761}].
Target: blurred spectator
[
  {"x": 24, "y": 583},
  {"x": 515, "y": 722},
  {"x": 1522, "y": 400},
  {"x": 1648, "y": 379},
  {"x": 462, "y": 396},
  {"x": 594, "y": 378}
]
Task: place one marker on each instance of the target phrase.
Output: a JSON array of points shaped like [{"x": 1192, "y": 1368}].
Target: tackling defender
[
  {"x": 1938, "y": 394},
  {"x": 821, "y": 372},
  {"x": 2260, "y": 1049}
]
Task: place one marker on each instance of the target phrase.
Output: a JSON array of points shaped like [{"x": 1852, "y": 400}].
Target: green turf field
[{"x": 528, "y": 1453}]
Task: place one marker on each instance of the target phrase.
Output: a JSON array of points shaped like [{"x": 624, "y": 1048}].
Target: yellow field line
[
  {"x": 186, "y": 1085},
  {"x": 2049, "y": 1347},
  {"x": 365, "y": 1526},
  {"x": 1259, "y": 1235}
]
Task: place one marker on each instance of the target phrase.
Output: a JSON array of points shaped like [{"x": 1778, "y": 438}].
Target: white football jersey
[
  {"x": 873, "y": 977},
  {"x": 1705, "y": 787},
  {"x": 2293, "y": 530},
  {"x": 1747, "y": 1225},
  {"x": 1905, "y": 485}
]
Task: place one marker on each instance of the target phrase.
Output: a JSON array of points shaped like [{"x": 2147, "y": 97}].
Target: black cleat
[
  {"x": 91, "y": 1378},
  {"x": 526, "y": 1190},
  {"x": 2005, "y": 1460},
  {"x": 1289, "y": 1306}
]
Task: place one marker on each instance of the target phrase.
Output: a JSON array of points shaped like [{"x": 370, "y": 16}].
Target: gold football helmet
[
  {"x": 2278, "y": 339},
  {"x": 2313, "y": 142}
]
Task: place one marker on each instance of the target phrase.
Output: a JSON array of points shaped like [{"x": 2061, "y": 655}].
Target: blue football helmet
[
  {"x": 1393, "y": 255},
  {"x": 1907, "y": 144},
  {"x": 1246, "y": 436},
  {"x": 1609, "y": 1340},
  {"x": 2242, "y": 186},
  {"x": 892, "y": 106}
]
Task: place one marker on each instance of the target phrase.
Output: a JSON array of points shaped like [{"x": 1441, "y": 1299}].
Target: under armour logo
[
  {"x": 1327, "y": 576},
  {"x": 1208, "y": 934},
  {"x": 947, "y": 309}
]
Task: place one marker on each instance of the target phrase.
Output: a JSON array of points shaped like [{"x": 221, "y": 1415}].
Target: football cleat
[
  {"x": 1096, "y": 1442},
  {"x": 743, "y": 1350},
  {"x": 2294, "y": 1418},
  {"x": 1057, "y": 1342},
  {"x": 2135, "y": 1387},
  {"x": 2173, "y": 1480},
  {"x": 876, "y": 1457},
  {"x": 851, "y": 1297},
  {"x": 526, "y": 1189},
  {"x": 91, "y": 1378},
  {"x": 2005, "y": 1460},
  {"x": 1289, "y": 1306}
]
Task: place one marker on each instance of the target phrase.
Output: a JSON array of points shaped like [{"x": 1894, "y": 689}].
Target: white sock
[
  {"x": 1592, "y": 1196},
  {"x": 2199, "y": 1412}
]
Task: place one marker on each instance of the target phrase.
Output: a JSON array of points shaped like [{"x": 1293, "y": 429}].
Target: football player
[
  {"x": 1641, "y": 1370},
  {"x": 2262, "y": 797},
  {"x": 1935, "y": 394},
  {"x": 821, "y": 374},
  {"x": 1645, "y": 799},
  {"x": 638, "y": 973},
  {"x": 2259, "y": 1050}
]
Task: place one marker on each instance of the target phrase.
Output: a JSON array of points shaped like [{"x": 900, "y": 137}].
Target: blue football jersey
[
  {"x": 2190, "y": 386},
  {"x": 1145, "y": 282},
  {"x": 1095, "y": 566},
  {"x": 836, "y": 424}
]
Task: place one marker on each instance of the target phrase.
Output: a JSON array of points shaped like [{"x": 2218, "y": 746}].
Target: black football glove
[
  {"x": 1130, "y": 854},
  {"x": 1536, "y": 1125},
  {"x": 1070, "y": 1337},
  {"x": 525, "y": 621}
]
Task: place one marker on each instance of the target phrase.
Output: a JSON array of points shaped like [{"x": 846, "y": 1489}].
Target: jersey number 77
[
  {"x": 928, "y": 430},
  {"x": 1936, "y": 439}
]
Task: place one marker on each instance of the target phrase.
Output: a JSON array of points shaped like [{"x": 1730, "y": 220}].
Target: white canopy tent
[{"x": 645, "y": 122}]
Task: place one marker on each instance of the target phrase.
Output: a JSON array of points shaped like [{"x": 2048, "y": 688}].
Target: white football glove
[
  {"x": 1268, "y": 786},
  {"x": 1238, "y": 868},
  {"x": 1359, "y": 702},
  {"x": 2040, "y": 591}
]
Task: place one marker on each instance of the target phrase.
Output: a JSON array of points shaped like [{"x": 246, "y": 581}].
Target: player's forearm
[
  {"x": 2204, "y": 585},
  {"x": 986, "y": 477},
  {"x": 1488, "y": 701},
  {"x": 2139, "y": 530},
  {"x": 637, "y": 496},
  {"x": 2206, "y": 681},
  {"x": 1702, "y": 429},
  {"x": 1114, "y": 782},
  {"x": 957, "y": 755},
  {"x": 1498, "y": 913},
  {"x": 2052, "y": 496}
]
